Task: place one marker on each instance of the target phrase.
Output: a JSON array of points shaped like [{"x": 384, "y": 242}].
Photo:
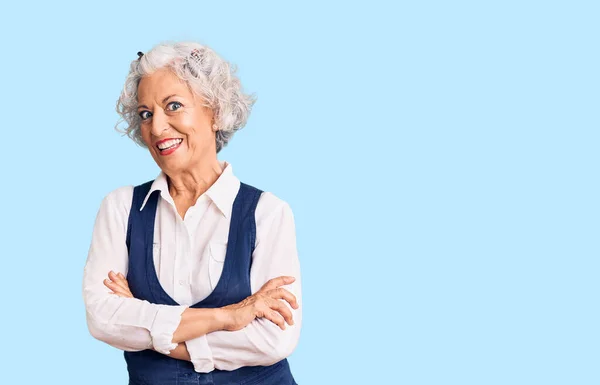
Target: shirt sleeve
[
  {"x": 261, "y": 342},
  {"x": 126, "y": 323},
  {"x": 200, "y": 354}
]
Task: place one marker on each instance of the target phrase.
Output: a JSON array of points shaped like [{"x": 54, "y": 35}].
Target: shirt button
[{"x": 181, "y": 282}]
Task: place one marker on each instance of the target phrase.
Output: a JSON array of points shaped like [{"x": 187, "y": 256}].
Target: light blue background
[{"x": 441, "y": 160}]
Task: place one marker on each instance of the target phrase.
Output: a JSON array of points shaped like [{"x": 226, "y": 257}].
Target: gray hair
[{"x": 207, "y": 74}]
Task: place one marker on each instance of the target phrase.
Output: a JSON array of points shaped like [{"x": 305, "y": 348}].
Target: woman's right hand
[{"x": 265, "y": 303}]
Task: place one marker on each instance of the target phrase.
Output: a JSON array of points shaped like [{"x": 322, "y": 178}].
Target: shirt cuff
[
  {"x": 165, "y": 323},
  {"x": 200, "y": 354}
]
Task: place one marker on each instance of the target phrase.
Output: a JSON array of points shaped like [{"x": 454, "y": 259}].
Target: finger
[
  {"x": 117, "y": 289},
  {"x": 282, "y": 309},
  {"x": 281, "y": 293},
  {"x": 122, "y": 278},
  {"x": 118, "y": 280},
  {"x": 274, "y": 317},
  {"x": 123, "y": 293},
  {"x": 122, "y": 282},
  {"x": 112, "y": 286},
  {"x": 276, "y": 282}
]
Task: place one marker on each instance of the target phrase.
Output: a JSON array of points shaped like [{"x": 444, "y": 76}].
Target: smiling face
[{"x": 175, "y": 125}]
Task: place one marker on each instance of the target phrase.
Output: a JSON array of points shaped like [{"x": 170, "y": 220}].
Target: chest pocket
[{"x": 216, "y": 260}]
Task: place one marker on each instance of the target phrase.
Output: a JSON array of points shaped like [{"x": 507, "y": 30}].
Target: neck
[{"x": 193, "y": 182}]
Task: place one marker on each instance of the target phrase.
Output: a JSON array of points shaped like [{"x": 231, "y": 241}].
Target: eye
[
  {"x": 176, "y": 106},
  {"x": 144, "y": 117}
]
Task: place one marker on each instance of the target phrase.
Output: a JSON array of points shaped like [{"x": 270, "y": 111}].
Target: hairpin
[
  {"x": 195, "y": 54},
  {"x": 140, "y": 54}
]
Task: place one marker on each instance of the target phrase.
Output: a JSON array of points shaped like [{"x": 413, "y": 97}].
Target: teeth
[{"x": 169, "y": 143}]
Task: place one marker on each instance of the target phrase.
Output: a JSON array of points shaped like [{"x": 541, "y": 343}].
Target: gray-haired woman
[{"x": 202, "y": 269}]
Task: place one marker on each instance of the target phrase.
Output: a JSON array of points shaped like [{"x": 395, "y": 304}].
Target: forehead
[{"x": 161, "y": 83}]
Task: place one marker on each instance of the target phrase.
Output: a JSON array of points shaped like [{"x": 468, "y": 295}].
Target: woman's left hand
[{"x": 118, "y": 284}]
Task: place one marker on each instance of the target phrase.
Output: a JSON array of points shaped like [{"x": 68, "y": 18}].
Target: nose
[{"x": 159, "y": 122}]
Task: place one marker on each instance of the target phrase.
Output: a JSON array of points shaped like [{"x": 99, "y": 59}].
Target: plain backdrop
[{"x": 440, "y": 158}]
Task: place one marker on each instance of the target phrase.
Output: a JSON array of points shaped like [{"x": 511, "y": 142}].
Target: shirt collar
[{"x": 222, "y": 193}]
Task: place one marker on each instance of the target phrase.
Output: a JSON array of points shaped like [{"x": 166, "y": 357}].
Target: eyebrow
[{"x": 163, "y": 101}]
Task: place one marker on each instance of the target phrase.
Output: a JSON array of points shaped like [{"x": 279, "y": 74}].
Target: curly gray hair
[{"x": 205, "y": 72}]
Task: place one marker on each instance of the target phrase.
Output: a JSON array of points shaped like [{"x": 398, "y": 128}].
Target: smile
[{"x": 168, "y": 146}]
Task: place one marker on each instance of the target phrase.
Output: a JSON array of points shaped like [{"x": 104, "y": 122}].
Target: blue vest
[{"x": 150, "y": 367}]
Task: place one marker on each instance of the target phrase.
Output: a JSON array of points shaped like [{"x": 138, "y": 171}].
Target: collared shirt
[{"x": 188, "y": 257}]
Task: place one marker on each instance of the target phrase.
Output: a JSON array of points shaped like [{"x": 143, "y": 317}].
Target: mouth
[{"x": 168, "y": 146}]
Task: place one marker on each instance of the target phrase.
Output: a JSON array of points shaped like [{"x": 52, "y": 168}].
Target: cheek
[
  {"x": 146, "y": 138},
  {"x": 196, "y": 125},
  {"x": 187, "y": 126}
]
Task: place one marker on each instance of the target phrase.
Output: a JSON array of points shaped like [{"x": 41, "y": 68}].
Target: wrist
[
  {"x": 222, "y": 318},
  {"x": 198, "y": 322}
]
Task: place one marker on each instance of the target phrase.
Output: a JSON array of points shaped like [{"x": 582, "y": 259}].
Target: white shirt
[{"x": 188, "y": 258}]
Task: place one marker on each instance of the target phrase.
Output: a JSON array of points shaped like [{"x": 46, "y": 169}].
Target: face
[{"x": 175, "y": 125}]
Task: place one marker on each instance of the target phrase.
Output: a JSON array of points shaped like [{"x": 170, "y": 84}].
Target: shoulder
[
  {"x": 118, "y": 201},
  {"x": 275, "y": 222},
  {"x": 270, "y": 207}
]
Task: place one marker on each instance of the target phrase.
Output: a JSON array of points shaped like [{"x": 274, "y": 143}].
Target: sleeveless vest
[{"x": 149, "y": 367}]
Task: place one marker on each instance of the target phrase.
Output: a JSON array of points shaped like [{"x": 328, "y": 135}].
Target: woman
[{"x": 195, "y": 275}]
